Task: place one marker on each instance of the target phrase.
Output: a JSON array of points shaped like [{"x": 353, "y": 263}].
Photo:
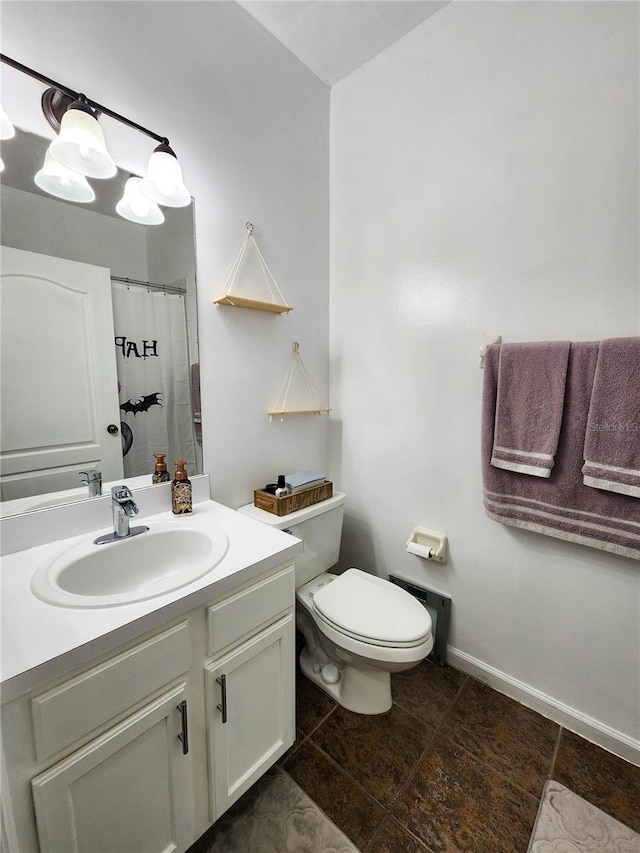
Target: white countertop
[{"x": 40, "y": 642}]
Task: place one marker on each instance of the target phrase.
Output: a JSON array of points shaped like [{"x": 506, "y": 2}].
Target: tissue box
[{"x": 292, "y": 503}]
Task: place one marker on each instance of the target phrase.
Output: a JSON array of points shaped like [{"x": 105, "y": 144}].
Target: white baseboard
[{"x": 587, "y": 727}]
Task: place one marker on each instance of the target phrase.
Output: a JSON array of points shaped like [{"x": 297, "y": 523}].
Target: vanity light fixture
[
  {"x": 163, "y": 181},
  {"x": 80, "y": 146},
  {"x": 56, "y": 179},
  {"x": 136, "y": 207},
  {"x": 80, "y": 143}
]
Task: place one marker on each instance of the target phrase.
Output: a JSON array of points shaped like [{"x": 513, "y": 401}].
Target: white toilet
[{"x": 358, "y": 628}]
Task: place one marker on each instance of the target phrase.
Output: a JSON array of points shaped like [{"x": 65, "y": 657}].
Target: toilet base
[{"x": 363, "y": 691}]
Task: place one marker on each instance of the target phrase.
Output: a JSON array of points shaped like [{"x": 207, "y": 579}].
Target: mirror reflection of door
[{"x": 58, "y": 360}]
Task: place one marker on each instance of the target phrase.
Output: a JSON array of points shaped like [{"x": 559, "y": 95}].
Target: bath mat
[
  {"x": 276, "y": 816},
  {"x": 568, "y": 824}
]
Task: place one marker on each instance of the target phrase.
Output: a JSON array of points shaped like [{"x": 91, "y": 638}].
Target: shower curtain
[{"x": 153, "y": 378}]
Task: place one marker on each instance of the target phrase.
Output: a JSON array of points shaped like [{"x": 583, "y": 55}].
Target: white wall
[
  {"x": 51, "y": 227},
  {"x": 484, "y": 178},
  {"x": 250, "y": 126}
]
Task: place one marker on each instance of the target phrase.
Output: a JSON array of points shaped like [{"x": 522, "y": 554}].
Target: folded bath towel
[
  {"x": 561, "y": 506},
  {"x": 612, "y": 442},
  {"x": 531, "y": 386},
  {"x": 304, "y": 480}
]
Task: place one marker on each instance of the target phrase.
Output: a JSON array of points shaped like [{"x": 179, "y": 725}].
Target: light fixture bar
[{"x": 13, "y": 63}]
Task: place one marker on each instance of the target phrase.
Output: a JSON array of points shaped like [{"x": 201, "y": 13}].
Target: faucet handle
[
  {"x": 93, "y": 475},
  {"x": 121, "y": 493}
]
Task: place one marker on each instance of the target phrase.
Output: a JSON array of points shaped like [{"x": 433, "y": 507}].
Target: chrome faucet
[
  {"x": 123, "y": 508},
  {"x": 93, "y": 481}
]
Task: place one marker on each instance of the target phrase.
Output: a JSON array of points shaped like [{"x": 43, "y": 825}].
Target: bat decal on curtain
[{"x": 143, "y": 404}]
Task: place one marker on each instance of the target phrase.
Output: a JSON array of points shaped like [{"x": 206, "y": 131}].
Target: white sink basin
[{"x": 164, "y": 558}]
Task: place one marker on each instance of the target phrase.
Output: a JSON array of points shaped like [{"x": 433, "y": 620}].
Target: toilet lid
[{"x": 367, "y": 606}]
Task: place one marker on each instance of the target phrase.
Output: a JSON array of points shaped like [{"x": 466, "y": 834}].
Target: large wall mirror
[{"x": 99, "y": 342}]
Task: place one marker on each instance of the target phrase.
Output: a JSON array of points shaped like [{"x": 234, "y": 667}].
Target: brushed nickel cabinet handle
[
  {"x": 184, "y": 733},
  {"x": 222, "y": 681}
]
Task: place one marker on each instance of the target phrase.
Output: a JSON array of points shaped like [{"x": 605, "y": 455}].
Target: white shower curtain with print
[{"x": 153, "y": 378}]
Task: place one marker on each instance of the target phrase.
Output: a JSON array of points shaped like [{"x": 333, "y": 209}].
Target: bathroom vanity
[{"x": 134, "y": 727}]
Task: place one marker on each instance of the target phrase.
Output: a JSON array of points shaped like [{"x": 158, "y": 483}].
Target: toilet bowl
[{"x": 357, "y": 627}]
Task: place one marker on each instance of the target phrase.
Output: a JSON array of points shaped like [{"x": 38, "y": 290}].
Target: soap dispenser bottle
[
  {"x": 181, "y": 496},
  {"x": 160, "y": 474}
]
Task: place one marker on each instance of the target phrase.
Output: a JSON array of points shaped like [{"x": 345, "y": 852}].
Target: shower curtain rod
[{"x": 150, "y": 285}]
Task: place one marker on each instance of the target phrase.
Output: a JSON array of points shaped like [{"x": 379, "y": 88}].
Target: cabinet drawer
[
  {"x": 249, "y": 610},
  {"x": 72, "y": 710}
]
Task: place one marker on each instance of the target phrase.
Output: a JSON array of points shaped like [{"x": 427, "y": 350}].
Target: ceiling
[{"x": 335, "y": 37}]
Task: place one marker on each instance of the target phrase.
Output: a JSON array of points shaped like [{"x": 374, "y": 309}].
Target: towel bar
[{"x": 487, "y": 340}]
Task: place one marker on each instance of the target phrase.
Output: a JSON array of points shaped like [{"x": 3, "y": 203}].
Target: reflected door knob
[{"x": 112, "y": 429}]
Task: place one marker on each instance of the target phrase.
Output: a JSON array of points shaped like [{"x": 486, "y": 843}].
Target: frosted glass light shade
[
  {"x": 57, "y": 180},
  {"x": 80, "y": 145},
  {"x": 163, "y": 181},
  {"x": 7, "y": 130},
  {"x": 136, "y": 207}
]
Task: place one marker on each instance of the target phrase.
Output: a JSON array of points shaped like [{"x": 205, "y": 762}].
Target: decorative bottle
[
  {"x": 160, "y": 474},
  {"x": 282, "y": 489},
  {"x": 181, "y": 497}
]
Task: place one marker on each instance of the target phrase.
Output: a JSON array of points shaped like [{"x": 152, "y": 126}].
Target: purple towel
[
  {"x": 612, "y": 442},
  {"x": 531, "y": 386},
  {"x": 196, "y": 409},
  {"x": 561, "y": 506}
]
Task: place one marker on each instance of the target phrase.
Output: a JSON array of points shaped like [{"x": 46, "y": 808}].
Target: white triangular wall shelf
[
  {"x": 276, "y": 304},
  {"x": 310, "y": 405}
]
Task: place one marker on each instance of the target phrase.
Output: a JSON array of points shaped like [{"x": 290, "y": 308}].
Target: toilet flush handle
[{"x": 288, "y": 530}]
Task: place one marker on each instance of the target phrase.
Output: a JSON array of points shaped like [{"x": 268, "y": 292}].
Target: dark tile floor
[{"x": 454, "y": 767}]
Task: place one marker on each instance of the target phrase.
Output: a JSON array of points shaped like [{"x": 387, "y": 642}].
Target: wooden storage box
[{"x": 292, "y": 503}]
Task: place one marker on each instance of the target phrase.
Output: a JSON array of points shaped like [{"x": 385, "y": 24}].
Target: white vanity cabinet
[
  {"x": 102, "y": 755},
  {"x": 250, "y": 695},
  {"x": 131, "y": 753},
  {"x": 130, "y": 789}
]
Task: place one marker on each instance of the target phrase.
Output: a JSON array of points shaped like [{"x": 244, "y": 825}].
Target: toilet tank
[{"x": 320, "y": 528}]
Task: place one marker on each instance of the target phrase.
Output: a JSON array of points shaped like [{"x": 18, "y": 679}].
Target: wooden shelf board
[
  {"x": 256, "y": 304},
  {"x": 301, "y": 412}
]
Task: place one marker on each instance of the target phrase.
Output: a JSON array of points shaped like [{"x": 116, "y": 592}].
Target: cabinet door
[
  {"x": 128, "y": 790},
  {"x": 250, "y": 711}
]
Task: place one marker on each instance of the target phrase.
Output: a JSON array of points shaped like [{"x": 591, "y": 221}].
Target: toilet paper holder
[{"x": 428, "y": 544}]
